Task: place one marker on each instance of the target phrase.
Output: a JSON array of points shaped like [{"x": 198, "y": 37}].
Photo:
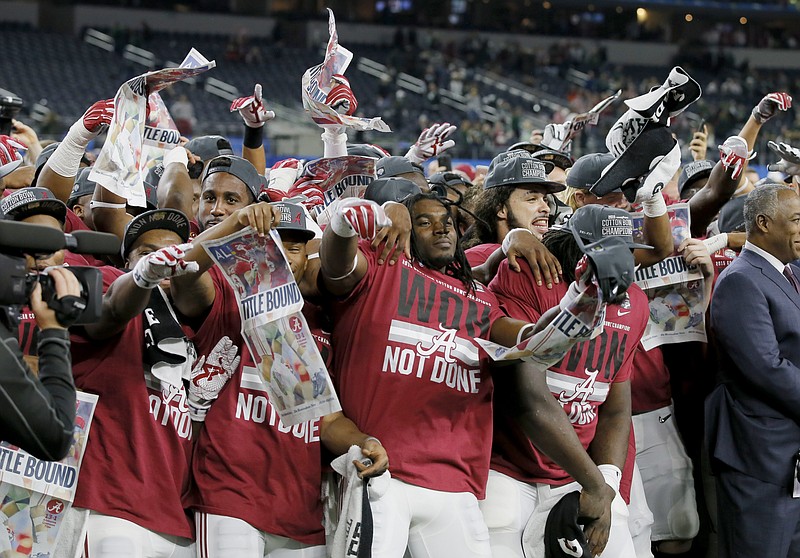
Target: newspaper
[
  {"x": 676, "y": 292},
  {"x": 141, "y": 130},
  {"x": 582, "y": 319},
  {"x": 36, "y": 494},
  {"x": 276, "y": 332},
  {"x": 317, "y": 84},
  {"x": 339, "y": 177},
  {"x": 579, "y": 122}
]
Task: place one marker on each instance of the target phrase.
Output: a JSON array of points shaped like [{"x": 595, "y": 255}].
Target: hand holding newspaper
[
  {"x": 318, "y": 82},
  {"x": 141, "y": 130}
]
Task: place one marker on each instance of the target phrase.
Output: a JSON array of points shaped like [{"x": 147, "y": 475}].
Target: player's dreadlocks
[
  {"x": 458, "y": 268},
  {"x": 487, "y": 204},
  {"x": 562, "y": 245}
]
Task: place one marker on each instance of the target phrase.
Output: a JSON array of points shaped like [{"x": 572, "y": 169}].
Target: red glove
[
  {"x": 252, "y": 109},
  {"x": 771, "y": 103},
  {"x": 341, "y": 97},
  {"x": 308, "y": 186},
  {"x": 10, "y": 158},
  {"x": 358, "y": 217},
  {"x": 98, "y": 115},
  {"x": 284, "y": 174}
]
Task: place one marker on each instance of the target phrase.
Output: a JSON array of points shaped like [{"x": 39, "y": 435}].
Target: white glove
[
  {"x": 612, "y": 475},
  {"x": 649, "y": 194},
  {"x": 163, "y": 264},
  {"x": 358, "y": 217},
  {"x": 555, "y": 135},
  {"x": 733, "y": 154},
  {"x": 431, "y": 142},
  {"x": 210, "y": 375},
  {"x": 252, "y": 109},
  {"x": 624, "y": 131},
  {"x": 790, "y": 158}
]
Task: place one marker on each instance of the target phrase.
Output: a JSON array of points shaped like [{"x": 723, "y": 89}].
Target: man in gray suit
[{"x": 753, "y": 415}]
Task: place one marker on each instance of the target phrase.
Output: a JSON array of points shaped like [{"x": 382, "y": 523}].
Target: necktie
[{"x": 787, "y": 272}]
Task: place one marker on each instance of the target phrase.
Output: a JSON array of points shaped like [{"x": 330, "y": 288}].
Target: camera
[
  {"x": 16, "y": 283},
  {"x": 10, "y": 105}
]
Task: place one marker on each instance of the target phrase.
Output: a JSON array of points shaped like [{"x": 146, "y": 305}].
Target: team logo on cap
[{"x": 533, "y": 169}]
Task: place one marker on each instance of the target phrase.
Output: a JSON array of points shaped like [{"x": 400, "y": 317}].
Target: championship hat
[
  {"x": 208, "y": 147},
  {"x": 167, "y": 219},
  {"x": 82, "y": 187},
  {"x": 731, "y": 216},
  {"x": 367, "y": 150},
  {"x": 587, "y": 170},
  {"x": 394, "y": 166},
  {"x": 391, "y": 188},
  {"x": 558, "y": 158},
  {"x": 238, "y": 167},
  {"x": 26, "y": 202},
  {"x": 293, "y": 218},
  {"x": 515, "y": 153},
  {"x": 593, "y": 223},
  {"x": 692, "y": 172},
  {"x": 563, "y": 535},
  {"x": 526, "y": 146},
  {"x": 522, "y": 171}
]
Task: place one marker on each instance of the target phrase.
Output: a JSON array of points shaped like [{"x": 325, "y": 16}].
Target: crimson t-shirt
[
  {"x": 136, "y": 465},
  {"x": 409, "y": 372},
  {"x": 477, "y": 255},
  {"x": 580, "y": 382},
  {"x": 247, "y": 464},
  {"x": 650, "y": 385}
]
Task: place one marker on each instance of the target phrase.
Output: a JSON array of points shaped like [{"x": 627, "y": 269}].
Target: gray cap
[
  {"x": 82, "y": 187},
  {"x": 208, "y": 147},
  {"x": 293, "y": 218},
  {"x": 694, "y": 171},
  {"x": 558, "y": 158},
  {"x": 238, "y": 167},
  {"x": 522, "y": 171},
  {"x": 390, "y": 188},
  {"x": 26, "y": 202},
  {"x": 731, "y": 216},
  {"x": 514, "y": 153},
  {"x": 367, "y": 150},
  {"x": 394, "y": 166},
  {"x": 588, "y": 169},
  {"x": 593, "y": 223}
]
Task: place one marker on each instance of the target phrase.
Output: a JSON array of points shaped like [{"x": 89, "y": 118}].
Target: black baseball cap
[
  {"x": 694, "y": 171},
  {"x": 522, "y": 171},
  {"x": 208, "y": 147},
  {"x": 82, "y": 187},
  {"x": 238, "y": 167},
  {"x": 394, "y": 166},
  {"x": 563, "y": 535},
  {"x": 526, "y": 146},
  {"x": 390, "y": 188},
  {"x": 588, "y": 169},
  {"x": 293, "y": 218},
  {"x": 731, "y": 216},
  {"x": 27, "y": 202},
  {"x": 167, "y": 219},
  {"x": 449, "y": 178},
  {"x": 593, "y": 223},
  {"x": 558, "y": 158}
]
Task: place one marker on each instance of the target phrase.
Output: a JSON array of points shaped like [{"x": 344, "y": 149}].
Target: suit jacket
[{"x": 753, "y": 415}]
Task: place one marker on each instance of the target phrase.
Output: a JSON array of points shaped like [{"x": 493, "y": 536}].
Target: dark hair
[
  {"x": 458, "y": 268},
  {"x": 487, "y": 204},
  {"x": 563, "y": 246}
]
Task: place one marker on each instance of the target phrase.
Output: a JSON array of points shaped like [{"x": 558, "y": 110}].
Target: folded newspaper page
[
  {"x": 676, "y": 291},
  {"x": 36, "y": 494},
  {"x": 582, "y": 320},
  {"x": 579, "y": 122},
  {"x": 317, "y": 84},
  {"x": 339, "y": 177},
  {"x": 141, "y": 130},
  {"x": 291, "y": 368}
]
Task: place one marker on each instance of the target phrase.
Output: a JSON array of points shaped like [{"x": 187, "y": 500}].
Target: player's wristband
[
  {"x": 716, "y": 243},
  {"x": 349, "y": 273},
  {"x": 368, "y": 438},
  {"x": 66, "y": 159},
  {"x": 655, "y": 206},
  {"x": 612, "y": 475},
  {"x": 507, "y": 240},
  {"x": 176, "y": 155},
  {"x": 106, "y": 205},
  {"x": 525, "y": 332},
  {"x": 572, "y": 294},
  {"x": 335, "y": 144},
  {"x": 198, "y": 408},
  {"x": 253, "y": 137}
]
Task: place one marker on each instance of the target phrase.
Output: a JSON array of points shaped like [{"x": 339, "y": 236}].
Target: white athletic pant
[
  {"x": 220, "y": 536},
  {"x": 640, "y": 520},
  {"x": 510, "y": 505},
  {"x": 112, "y": 537},
  {"x": 667, "y": 475},
  {"x": 431, "y": 523}
]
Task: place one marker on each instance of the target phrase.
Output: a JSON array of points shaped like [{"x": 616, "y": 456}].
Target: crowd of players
[{"x": 186, "y": 455}]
